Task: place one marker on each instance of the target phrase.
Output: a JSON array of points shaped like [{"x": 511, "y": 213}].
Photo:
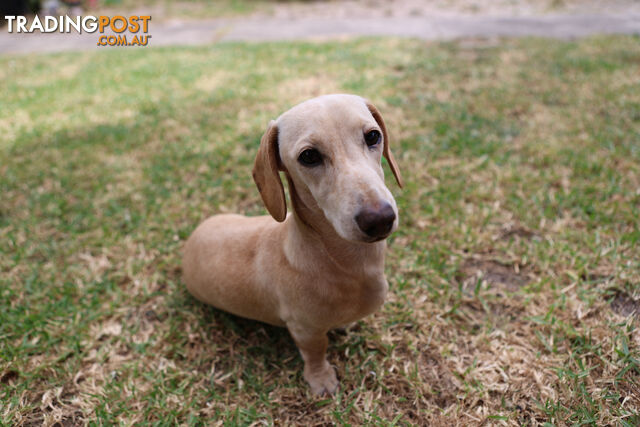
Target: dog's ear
[
  {"x": 386, "y": 150},
  {"x": 266, "y": 176}
]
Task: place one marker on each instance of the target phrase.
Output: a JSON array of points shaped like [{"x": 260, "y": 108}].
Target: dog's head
[{"x": 331, "y": 148}]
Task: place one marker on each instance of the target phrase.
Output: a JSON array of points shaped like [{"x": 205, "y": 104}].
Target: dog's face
[{"x": 331, "y": 147}]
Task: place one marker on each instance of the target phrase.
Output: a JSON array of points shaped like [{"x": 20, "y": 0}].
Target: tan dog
[{"x": 323, "y": 266}]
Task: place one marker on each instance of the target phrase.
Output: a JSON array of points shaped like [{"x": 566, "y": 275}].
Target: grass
[{"x": 514, "y": 275}]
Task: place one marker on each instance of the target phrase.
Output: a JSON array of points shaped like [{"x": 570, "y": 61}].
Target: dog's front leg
[{"x": 313, "y": 347}]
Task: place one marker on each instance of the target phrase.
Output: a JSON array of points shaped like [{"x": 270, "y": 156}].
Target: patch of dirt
[
  {"x": 595, "y": 278},
  {"x": 511, "y": 277},
  {"x": 434, "y": 372},
  {"x": 9, "y": 376},
  {"x": 514, "y": 230},
  {"x": 75, "y": 419},
  {"x": 38, "y": 417},
  {"x": 625, "y": 306}
]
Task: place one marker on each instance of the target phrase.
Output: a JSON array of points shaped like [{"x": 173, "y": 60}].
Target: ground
[
  {"x": 514, "y": 275},
  {"x": 197, "y": 9},
  {"x": 197, "y": 22}
]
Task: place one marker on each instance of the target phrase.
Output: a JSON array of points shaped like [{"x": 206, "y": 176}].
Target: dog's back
[{"x": 222, "y": 262}]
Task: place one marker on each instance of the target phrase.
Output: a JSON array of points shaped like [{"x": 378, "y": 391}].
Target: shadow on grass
[{"x": 254, "y": 349}]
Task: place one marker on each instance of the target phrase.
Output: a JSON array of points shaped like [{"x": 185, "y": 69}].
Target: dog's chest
[{"x": 359, "y": 299}]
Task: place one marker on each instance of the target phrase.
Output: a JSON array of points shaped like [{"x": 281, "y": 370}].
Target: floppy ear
[
  {"x": 386, "y": 150},
  {"x": 265, "y": 174}
]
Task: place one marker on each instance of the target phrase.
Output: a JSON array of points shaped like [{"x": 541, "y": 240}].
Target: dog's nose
[{"x": 376, "y": 222}]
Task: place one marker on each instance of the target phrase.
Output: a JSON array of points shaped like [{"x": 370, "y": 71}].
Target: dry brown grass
[{"x": 514, "y": 275}]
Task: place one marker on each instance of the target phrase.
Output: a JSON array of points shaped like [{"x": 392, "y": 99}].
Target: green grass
[{"x": 512, "y": 274}]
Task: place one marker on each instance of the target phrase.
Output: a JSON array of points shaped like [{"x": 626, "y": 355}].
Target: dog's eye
[
  {"x": 372, "y": 138},
  {"x": 310, "y": 157}
]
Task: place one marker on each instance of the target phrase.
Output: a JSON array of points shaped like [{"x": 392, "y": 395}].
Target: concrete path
[{"x": 279, "y": 28}]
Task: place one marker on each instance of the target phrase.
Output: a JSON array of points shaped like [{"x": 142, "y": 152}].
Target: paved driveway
[{"x": 260, "y": 28}]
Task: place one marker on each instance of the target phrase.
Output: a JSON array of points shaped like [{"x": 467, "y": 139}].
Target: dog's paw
[{"x": 322, "y": 381}]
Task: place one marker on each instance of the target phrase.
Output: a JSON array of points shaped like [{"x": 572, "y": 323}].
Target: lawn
[{"x": 514, "y": 276}]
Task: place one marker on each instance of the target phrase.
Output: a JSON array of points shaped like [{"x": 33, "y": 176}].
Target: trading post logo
[{"x": 122, "y": 30}]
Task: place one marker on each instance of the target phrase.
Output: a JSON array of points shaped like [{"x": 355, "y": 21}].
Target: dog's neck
[{"x": 309, "y": 224}]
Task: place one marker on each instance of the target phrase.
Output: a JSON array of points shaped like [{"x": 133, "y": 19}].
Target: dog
[{"x": 321, "y": 267}]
